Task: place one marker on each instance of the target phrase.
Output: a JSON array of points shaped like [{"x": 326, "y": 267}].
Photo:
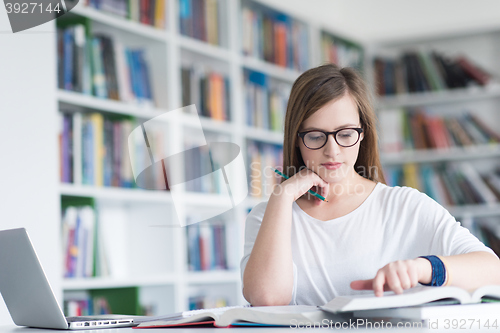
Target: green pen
[{"x": 312, "y": 192}]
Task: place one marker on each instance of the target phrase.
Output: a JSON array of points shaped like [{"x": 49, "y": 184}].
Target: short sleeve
[
  {"x": 449, "y": 236},
  {"x": 252, "y": 226}
]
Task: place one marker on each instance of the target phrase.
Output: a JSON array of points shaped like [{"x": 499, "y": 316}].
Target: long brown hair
[{"x": 311, "y": 91}]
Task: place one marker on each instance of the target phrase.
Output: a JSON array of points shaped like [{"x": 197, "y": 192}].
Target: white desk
[{"x": 16, "y": 329}]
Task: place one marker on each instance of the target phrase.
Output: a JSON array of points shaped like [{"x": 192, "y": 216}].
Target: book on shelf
[
  {"x": 274, "y": 37},
  {"x": 423, "y": 71},
  {"x": 200, "y": 172},
  {"x": 201, "y": 19},
  {"x": 207, "y": 302},
  {"x": 103, "y": 301},
  {"x": 341, "y": 52},
  {"x": 105, "y": 151},
  {"x": 150, "y": 12},
  {"x": 65, "y": 147},
  {"x": 474, "y": 71},
  {"x": 78, "y": 231},
  {"x": 451, "y": 184},
  {"x": 80, "y": 303},
  {"x": 94, "y": 150},
  {"x": 206, "y": 245},
  {"x": 97, "y": 65},
  {"x": 92, "y": 245},
  {"x": 263, "y": 158},
  {"x": 416, "y": 128},
  {"x": 208, "y": 90},
  {"x": 421, "y": 295},
  {"x": 73, "y": 54},
  {"x": 248, "y": 316},
  {"x": 265, "y": 101}
]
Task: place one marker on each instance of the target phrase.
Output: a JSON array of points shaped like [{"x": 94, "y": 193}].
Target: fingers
[
  {"x": 321, "y": 188},
  {"x": 407, "y": 272},
  {"x": 306, "y": 179},
  {"x": 362, "y": 284},
  {"x": 413, "y": 276},
  {"x": 325, "y": 189},
  {"x": 396, "y": 276},
  {"x": 378, "y": 283}
]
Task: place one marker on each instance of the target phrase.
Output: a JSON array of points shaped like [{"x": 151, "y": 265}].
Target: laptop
[{"x": 27, "y": 292}]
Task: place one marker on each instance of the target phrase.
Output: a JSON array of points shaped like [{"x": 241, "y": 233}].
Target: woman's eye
[
  {"x": 316, "y": 138},
  {"x": 345, "y": 135}
]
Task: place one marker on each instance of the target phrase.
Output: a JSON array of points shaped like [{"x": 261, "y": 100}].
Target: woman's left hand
[{"x": 397, "y": 276}]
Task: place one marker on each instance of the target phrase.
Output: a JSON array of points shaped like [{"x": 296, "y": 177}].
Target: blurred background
[{"x": 73, "y": 89}]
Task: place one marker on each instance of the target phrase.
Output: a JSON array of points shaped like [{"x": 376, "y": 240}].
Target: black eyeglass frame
[{"x": 303, "y": 134}]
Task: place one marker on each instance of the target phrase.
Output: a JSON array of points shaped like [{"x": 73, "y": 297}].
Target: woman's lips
[{"x": 331, "y": 166}]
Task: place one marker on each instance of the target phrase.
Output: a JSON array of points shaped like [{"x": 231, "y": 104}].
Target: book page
[
  {"x": 414, "y": 296},
  {"x": 272, "y": 315},
  {"x": 491, "y": 292}
]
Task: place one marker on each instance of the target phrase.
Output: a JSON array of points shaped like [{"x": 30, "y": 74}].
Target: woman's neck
[
  {"x": 349, "y": 187},
  {"x": 354, "y": 185}
]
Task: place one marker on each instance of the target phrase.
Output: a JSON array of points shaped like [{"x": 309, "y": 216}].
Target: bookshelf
[
  {"x": 159, "y": 255},
  {"x": 475, "y": 98}
]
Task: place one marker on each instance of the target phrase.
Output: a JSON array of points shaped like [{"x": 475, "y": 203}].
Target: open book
[
  {"x": 411, "y": 297},
  {"x": 288, "y": 315},
  {"x": 430, "y": 311},
  {"x": 338, "y": 309}
]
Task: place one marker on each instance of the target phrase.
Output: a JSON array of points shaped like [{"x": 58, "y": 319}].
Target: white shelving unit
[
  {"x": 460, "y": 95},
  {"x": 482, "y": 49}
]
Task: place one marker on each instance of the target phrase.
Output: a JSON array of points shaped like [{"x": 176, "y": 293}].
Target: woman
[{"x": 365, "y": 235}]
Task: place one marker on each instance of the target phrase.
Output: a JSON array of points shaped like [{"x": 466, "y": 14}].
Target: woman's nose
[{"x": 331, "y": 148}]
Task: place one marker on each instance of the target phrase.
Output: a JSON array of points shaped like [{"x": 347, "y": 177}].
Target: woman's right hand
[{"x": 301, "y": 182}]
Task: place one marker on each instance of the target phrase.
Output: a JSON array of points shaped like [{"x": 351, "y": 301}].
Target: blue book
[
  {"x": 68, "y": 58},
  {"x": 88, "y": 153},
  {"x": 138, "y": 73},
  {"x": 146, "y": 78},
  {"x": 99, "y": 77},
  {"x": 196, "y": 248},
  {"x": 192, "y": 250},
  {"x": 185, "y": 17},
  {"x": 260, "y": 81},
  {"x": 132, "y": 71},
  {"x": 426, "y": 174}
]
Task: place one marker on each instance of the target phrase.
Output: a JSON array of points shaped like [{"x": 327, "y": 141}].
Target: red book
[{"x": 473, "y": 71}]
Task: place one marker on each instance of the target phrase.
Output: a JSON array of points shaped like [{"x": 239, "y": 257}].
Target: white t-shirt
[{"x": 393, "y": 223}]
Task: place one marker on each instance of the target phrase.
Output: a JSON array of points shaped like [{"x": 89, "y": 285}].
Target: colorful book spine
[
  {"x": 200, "y": 19},
  {"x": 104, "y": 158},
  {"x": 265, "y": 101},
  {"x": 263, "y": 158},
  {"x": 78, "y": 230},
  {"x": 451, "y": 184},
  {"x": 208, "y": 90},
  {"x": 66, "y": 147},
  {"x": 419, "y": 71},
  {"x": 103, "y": 301},
  {"x": 149, "y": 12},
  {"x": 200, "y": 162},
  {"x": 206, "y": 302},
  {"x": 97, "y": 65},
  {"x": 341, "y": 52},
  {"x": 206, "y": 245},
  {"x": 274, "y": 37},
  {"x": 416, "y": 128}
]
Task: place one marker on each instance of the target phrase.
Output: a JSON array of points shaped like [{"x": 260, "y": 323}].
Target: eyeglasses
[{"x": 345, "y": 137}]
